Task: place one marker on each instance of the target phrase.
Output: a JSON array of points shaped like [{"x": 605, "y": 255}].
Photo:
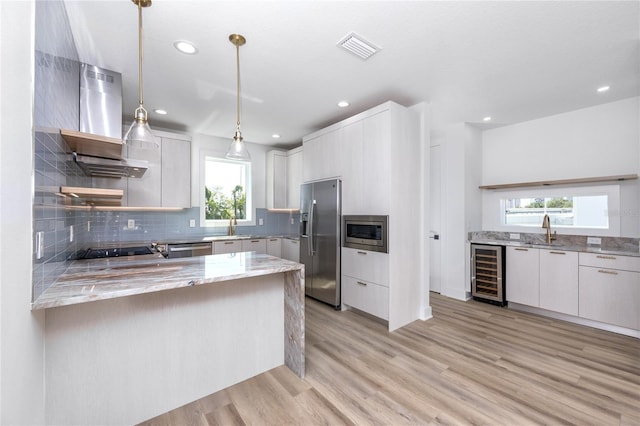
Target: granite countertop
[
  {"x": 225, "y": 238},
  {"x": 556, "y": 246},
  {"x": 100, "y": 279}
]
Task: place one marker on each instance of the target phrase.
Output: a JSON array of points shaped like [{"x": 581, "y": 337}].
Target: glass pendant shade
[
  {"x": 139, "y": 134},
  {"x": 237, "y": 149}
]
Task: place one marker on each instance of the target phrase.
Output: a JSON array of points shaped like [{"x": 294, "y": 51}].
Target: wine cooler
[{"x": 487, "y": 273}]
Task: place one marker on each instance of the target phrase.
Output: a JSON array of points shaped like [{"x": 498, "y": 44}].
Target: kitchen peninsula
[{"x": 160, "y": 333}]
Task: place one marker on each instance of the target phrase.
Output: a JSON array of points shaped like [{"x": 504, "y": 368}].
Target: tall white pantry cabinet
[{"x": 377, "y": 155}]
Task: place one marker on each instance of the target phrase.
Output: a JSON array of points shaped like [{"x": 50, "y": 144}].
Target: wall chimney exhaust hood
[
  {"x": 101, "y": 156},
  {"x": 106, "y": 167}
]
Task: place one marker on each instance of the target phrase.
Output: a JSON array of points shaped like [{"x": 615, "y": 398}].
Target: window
[
  {"x": 586, "y": 210},
  {"x": 226, "y": 192},
  {"x": 589, "y": 211}
]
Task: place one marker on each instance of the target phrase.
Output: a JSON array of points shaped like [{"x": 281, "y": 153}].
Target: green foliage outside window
[
  {"x": 551, "y": 204},
  {"x": 222, "y": 206}
]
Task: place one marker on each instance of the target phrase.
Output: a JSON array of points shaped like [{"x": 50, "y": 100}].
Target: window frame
[
  {"x": 205, "y": 155},
  {"x": 493, "y": 217}
]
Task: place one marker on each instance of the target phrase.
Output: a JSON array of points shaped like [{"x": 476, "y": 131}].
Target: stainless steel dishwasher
[{"x": 189, "y": 250}]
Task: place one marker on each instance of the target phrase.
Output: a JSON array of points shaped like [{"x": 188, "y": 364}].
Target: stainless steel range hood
[
  {"x": 97, "y": 147},
  {"x": 105, "y": 167}
]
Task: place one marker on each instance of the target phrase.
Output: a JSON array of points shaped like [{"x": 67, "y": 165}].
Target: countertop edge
[
  {"x": 579, "y": 249},
  {"x": 282, "y": 267}
]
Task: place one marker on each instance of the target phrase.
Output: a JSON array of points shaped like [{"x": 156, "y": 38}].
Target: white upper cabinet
[
  {"x": 320, "y": 156},
  {"x": 167, "y": 181},
  {"x": 283, "y": 179},
  {"x": 376, "y": 164},
  {"x": 176, "y": 173},
  {"x": 294, "y": 177},
  {"x": 276, "y": 178},
  {"x": 351, "y": 145}
]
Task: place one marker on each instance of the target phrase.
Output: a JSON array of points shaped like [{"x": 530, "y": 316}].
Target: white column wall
[{"x": 21, "y": 331}]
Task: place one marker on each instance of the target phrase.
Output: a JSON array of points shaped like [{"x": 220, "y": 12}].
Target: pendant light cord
[
  {"x": 238, "y": 78},
  {"x": 140, "y": 52}
]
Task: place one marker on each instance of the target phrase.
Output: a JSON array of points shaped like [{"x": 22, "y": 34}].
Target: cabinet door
[
  {"x": 222, "y": 247},
  {"x": 291, "y": 249},
  {"x": 369, "y": 266},
  {"x": 523, "y": 276},
  {"x": 611, "y": 296},
  {"x": 351, "y": 151},
  {"x": 274, "y": 247},
  {"x": 176, "y": 173},
  {"x": 559, "y": 281},
  {"x": 368, "y": 297},
  {"x": 147, "y": 190},
  {"x": 320, "y": 156},
  {"x": 276, "y": 178},
  {"x": 294, "y": 178},
  {"x": 257, "y": 245},
  {"x": 376, "y": 170}
]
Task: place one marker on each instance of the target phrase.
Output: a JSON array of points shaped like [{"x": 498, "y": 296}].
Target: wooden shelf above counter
[
  {"x": 561, "y": 182},
  {"x": 92, "y": 193},
  {"x": 93, "y": 145}
]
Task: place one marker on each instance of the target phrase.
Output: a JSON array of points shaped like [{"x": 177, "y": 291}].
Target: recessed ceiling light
[
  {"x": 487, "y": 118},
  {"x": 343, "y": 104},
  {"x": 603, "y": 89},
  {"x": 186, "y": 47},
  {"x": 275, "y": 136},
  {"x": 160, "y": 111}
]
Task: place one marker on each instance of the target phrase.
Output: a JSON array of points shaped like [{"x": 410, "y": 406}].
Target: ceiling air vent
[{"x": 357, "y": 45}]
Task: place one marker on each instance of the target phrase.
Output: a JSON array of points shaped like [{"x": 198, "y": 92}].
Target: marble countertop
[
  {"x": 552, "y": 246},
  {"x": 100, "y": 279},
  {"x": 214, "y": 238}
]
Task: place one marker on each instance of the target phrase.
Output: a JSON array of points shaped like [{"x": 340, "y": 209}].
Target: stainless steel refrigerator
[{"x": 320, "y": 240}]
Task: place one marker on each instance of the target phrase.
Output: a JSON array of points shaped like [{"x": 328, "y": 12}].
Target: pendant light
[
  {"x": 238, "y": 150},
  {"x": 139, "y": 134}
]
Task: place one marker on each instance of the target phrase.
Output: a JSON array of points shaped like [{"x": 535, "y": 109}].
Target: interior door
[{"x": 435, "y": 248}]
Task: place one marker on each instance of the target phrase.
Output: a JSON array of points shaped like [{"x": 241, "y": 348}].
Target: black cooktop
[{"x": 99, "y": 253}]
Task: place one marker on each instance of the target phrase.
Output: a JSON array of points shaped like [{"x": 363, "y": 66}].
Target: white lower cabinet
[
  {"x": 365, "y": 281},
  {"x": 609, "y": 294},
  {"x": 291, "y": 249},
  {"x": 559, "y": 281},
  {"x": 274, "y": 247},
  {"x": 523, "y": 276},
  {"x": 366, "y": 296},
  {"x": 222, "y": 247},
  {"x": 259, "y": 245}
]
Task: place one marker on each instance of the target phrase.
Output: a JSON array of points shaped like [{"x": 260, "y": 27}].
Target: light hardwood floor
[{"x": 473, "y": 363}]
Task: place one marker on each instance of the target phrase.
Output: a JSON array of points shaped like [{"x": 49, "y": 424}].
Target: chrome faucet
[
  {"x": 232, "y": 225},
  {"x": 546, "y": 224}
]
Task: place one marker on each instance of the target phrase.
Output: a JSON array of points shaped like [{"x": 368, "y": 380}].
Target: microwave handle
[{"x": 311, "y": 232}]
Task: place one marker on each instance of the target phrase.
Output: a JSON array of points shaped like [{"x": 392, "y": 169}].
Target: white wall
[
  {"x": 21, "y": 331},
  {"x": 462, "y": 203},
  {"x": 599, "y": 141}
]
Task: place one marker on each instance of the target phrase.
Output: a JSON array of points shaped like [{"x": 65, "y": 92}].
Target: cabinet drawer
[
  {"x": 366, "y": 296},
  {"x": 257, "y": 245},
  {"x": 221, "y": 247},
  {"x": 610, "y": 296},
  {"x": 369, "y": 266},
  {"x": 611, "y": 261}
]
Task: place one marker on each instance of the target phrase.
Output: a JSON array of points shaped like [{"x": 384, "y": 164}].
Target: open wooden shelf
[
  {"x": 92, "y": 193},
  {"x": 93, "y": 145},
  {"x": 561, "y": 182}
]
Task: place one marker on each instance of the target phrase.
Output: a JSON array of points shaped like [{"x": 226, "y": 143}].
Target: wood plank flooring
[{"x": 473, "y": 363}]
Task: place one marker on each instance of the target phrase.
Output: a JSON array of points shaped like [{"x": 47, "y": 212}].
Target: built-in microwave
[{"x": 365, "y": 232}]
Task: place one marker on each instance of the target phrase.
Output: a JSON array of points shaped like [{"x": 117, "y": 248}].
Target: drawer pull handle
[
  {"x": 255, "y": 241},
  {"x": 521, "y": 249},
  {"x": 361, "y": 283},
  {"x": 606, "y": 257},
  {"x": 603, "y": 271},
  {"x": 273, "y": 239},
  {"x": 557, "y": 252},
  {"x": 362, "y": 252},
  {"x": 228, "y": 242}
]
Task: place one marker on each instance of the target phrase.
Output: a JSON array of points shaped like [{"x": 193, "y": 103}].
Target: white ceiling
[{"x": 511, "y": 60}]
